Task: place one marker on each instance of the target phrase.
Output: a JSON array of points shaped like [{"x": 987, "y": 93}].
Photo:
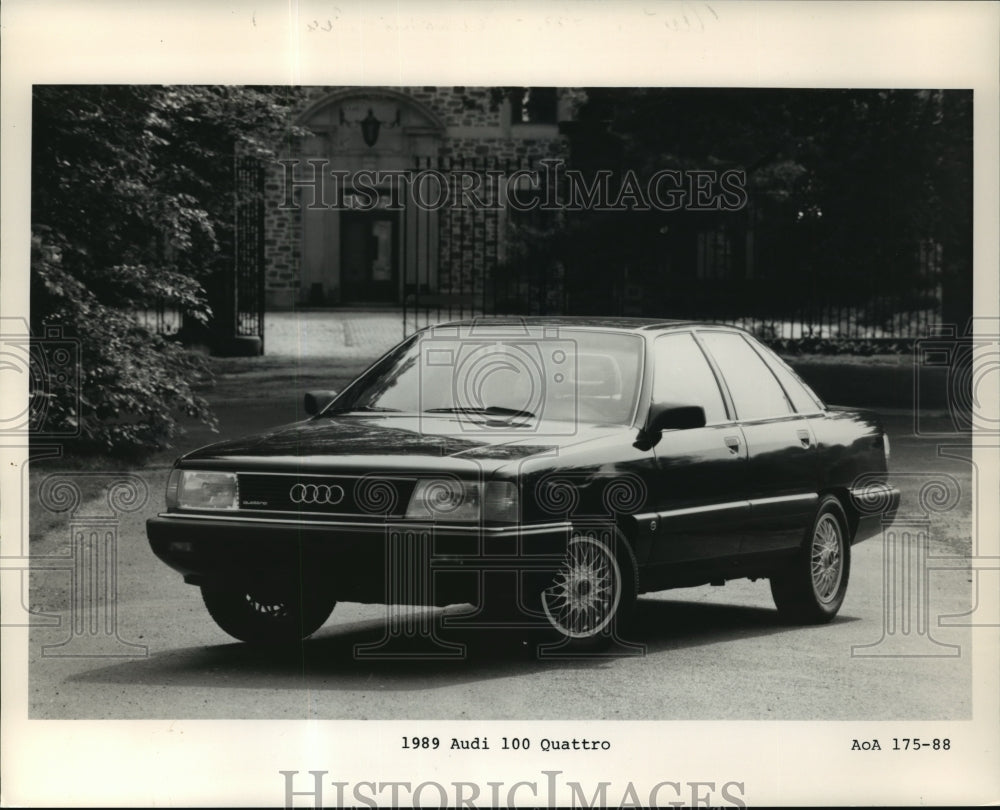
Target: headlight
[
  {"x": 195, "y": 489},
  {"x": 446, "y": 499}
]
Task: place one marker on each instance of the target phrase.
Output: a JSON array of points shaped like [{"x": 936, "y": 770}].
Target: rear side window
[
  {"x": 756, "y": 393},
  {"x": 682, "y": 376},
  {"x": 802, "y": 397}
]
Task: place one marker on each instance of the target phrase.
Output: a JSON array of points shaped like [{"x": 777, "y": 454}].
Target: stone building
[{"x": 398, "y": 194}]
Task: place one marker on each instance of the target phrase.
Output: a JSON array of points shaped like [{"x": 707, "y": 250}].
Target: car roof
[{"x": 625, "y": 324}]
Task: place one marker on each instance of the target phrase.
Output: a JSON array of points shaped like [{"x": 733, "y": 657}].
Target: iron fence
[
  {"x": 468, "y": 259},
  {"x": 500, "y": 262}
]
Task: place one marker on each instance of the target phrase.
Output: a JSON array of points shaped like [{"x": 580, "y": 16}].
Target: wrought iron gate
[
  {"x": 248, "y": 249},
  {"x": 459, "y": 252}
]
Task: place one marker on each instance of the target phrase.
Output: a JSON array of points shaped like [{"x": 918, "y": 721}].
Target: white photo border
[{"x": 490, "y": 42}]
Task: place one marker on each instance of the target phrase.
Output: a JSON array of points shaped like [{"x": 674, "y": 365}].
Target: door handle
[
  {"x": 733, "y": 443},
  {"x": 805, "y": 438}
]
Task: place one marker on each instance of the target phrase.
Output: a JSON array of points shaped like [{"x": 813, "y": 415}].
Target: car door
[
  {"x": 700, "y": 490},
  {"x": 781, "y": 444}
]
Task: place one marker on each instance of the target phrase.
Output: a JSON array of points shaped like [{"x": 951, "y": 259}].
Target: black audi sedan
[{"x": 546, "y": 469}]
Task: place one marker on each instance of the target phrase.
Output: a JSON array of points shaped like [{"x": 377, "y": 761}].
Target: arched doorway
[{"x": 366, "y": 242}]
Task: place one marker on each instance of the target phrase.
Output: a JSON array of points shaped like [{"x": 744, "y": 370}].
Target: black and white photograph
[{"x": 438, "y": 425}]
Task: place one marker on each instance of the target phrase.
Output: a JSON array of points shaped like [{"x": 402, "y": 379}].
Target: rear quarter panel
[
  {"x": 852, "y": 452},
  {"x": 851, "y": 443}
]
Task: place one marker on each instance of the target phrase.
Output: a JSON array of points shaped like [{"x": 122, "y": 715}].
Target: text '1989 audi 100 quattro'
[{"x": 549, "y": 469}]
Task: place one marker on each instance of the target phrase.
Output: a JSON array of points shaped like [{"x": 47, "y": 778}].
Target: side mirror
[
  {"x": 675, "y": 417},
  {"x": 316, "y": 401},
  {"x": 664, "y": 416}
]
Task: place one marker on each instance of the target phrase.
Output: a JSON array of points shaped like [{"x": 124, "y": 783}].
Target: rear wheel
[
  {"x": 811, "y": 589},
  {"x": 592, "y": 595},
  {"x": 266, "y": 615}
]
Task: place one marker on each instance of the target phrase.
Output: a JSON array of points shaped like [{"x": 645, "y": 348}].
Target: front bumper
[{"x": 406, "y": 562}]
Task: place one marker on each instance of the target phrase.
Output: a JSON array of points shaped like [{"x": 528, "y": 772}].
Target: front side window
[
  {"x": 756, "y": 393},
  {"x": 682, "y": 376}
]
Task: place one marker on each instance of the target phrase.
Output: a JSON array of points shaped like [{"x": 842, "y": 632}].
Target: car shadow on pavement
[{"x": 365, "y": 655}]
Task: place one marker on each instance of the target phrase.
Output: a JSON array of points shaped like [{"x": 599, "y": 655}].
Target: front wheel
[
  {"x": 592, "y": 595},
  {"x": 811, "y": 589},
  {"x": 261, "y": 615}
]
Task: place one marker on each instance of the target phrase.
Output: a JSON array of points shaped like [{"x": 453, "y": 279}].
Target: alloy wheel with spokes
[
  {"x": 592, "y": 591},
  {"x": 827, "y": 561},
  {"x": 812, "y": 586},
  {"x": 584, "y": 594}
]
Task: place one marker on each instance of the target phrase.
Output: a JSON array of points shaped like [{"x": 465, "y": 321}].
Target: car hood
[{"x": 393, "y": 441}]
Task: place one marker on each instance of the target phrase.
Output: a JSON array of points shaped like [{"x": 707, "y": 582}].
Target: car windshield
[{"x": 507, "y": 373}]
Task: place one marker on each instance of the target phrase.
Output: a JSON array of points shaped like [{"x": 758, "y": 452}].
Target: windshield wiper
[
  {"x": 492, "y": 410},
  {"x": 359, "y": 409}
]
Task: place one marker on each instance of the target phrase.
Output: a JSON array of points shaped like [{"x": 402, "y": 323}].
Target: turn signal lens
[
  {"x": 500, "y": 502},
  {"x": 173, "y": 482}
]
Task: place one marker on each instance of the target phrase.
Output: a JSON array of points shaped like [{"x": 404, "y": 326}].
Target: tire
[
  {"x": 590, "y": 599},
  {"x": 811, "y": 589},
  {"x": 266, "y": 615}
]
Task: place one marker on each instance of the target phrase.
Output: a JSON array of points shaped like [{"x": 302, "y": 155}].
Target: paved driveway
[
  {"x": 338, "y": 333},
  {"x": 709, "y": 640}
]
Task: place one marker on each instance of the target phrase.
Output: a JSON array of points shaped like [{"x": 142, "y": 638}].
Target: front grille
[{"x": 375, "y": 496}]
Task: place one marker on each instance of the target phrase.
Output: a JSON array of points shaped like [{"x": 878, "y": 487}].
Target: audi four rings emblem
[{"x": 316, "y": 493}]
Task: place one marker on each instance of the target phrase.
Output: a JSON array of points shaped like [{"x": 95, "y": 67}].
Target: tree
[
  {"x": 845, "y": 187},
  {"x": 132, "y": 206}
]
